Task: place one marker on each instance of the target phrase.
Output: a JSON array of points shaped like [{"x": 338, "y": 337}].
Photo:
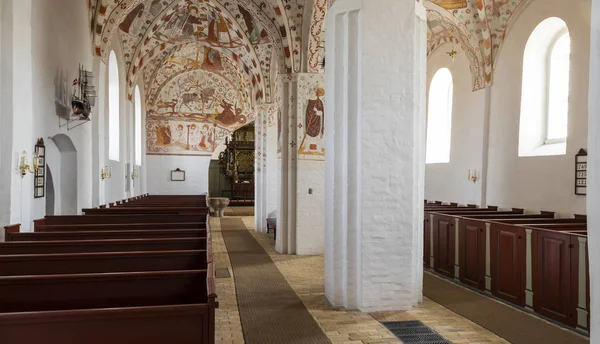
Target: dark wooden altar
[{"x": 237, "y": 164}]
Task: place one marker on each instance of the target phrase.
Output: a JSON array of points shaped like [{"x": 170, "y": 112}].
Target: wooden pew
[
  {"x": 171, "y": 210},
  {"x": 101, "y": 262},
  {"x": 560, "y": 275},
  {"x": 444, "y": 237},
  {"x": 110, "y": 245},
  {"x": 533, "y": 261},
  {"x": 119, "y": 226},
  {"x": 123, "y": 219},
  {"x": 99, "y": 235},
  {"x": 117, "y": 308}
]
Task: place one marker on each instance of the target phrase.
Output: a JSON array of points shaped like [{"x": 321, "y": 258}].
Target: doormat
[{"x": 414, "y": 332}]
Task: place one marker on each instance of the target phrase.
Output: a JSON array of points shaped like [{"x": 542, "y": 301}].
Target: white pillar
[
  {"x": 283, "y": 166},
  {"x": 593, "y": 182},
  {"x": 17, "y": 109},
  {"x": 310, "y": 165},
  {"x": 375, "y": 79},
  {"x": 265, "y": 165},
  {"x": 259, "y": 170}
]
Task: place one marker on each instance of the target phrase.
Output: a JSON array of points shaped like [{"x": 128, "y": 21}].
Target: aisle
[{"x": 270, "y": 310}]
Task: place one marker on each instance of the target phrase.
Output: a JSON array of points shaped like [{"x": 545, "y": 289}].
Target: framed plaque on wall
[
  {"x": 581, "y": 172},
  {"x": 177, "y": 175},
  {"x": 39, "y": 179}
]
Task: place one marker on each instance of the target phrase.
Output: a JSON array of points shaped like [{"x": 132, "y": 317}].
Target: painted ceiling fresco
[{"x": 211, "y": 62}]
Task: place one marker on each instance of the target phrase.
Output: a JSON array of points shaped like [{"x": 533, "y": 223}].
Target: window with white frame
[
  {"x": 545, "y": 90},
  {"x": 439, "y": 117},
  {"x": 113, "y": 108},
  {"x": 138, "y": 127}
]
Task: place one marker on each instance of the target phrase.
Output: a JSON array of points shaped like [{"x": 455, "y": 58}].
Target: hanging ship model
[{"x": 84, "y": 95}]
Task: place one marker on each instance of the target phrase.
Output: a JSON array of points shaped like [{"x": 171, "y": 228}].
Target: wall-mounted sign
[
  {"x": 39, "y": 179},
  {"x": 177, "y": 175},
  {"x": 581, "y": 172}
]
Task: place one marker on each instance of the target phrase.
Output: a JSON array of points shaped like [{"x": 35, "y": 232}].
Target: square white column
[{"x": 375, "y": 82}]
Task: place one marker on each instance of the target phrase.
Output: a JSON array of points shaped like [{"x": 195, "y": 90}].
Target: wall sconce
[
  {"x": 24, "y": 167},
  {"x": 134, "y": 174},
  {"x": 473, "y": 177},
  {"x": 106, "y": 172}
]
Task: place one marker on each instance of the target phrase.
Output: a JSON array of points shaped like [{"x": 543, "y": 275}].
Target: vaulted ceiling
[{"x": 255, "y": 40}]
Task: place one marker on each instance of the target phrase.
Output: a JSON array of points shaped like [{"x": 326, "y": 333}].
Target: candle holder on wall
[
  {"x": 106, "y": 172},
  {"x": 473, "y": 176}
]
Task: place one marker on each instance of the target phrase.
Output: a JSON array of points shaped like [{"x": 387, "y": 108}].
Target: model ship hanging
[{"x": 83, "y": 99}]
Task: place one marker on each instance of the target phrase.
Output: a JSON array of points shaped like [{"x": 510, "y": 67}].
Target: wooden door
[
  {"x": 552, "y": 277},
  {"x": 472, "y": 253},
  {"x": 508, "y": 263},
  {"x": 443, "y": 246}
]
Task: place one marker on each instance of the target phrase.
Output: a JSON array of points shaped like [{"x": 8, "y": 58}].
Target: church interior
[{"x": 299, "y": 171}]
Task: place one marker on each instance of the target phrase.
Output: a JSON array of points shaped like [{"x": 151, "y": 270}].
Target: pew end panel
[
  {"x": 472, "y": 253},
  {"x": 508, "y": 263}
]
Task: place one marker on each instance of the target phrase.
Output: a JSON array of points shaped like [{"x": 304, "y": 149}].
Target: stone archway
[{"x": 65, "y": 175}]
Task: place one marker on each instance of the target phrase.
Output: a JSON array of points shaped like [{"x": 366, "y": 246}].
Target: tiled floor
[{"x": 306, "y": 276}]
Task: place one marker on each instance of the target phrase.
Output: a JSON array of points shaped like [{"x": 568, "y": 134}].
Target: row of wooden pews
[
  {"x": 121, "y": 274},
  {"x": 533, "y": 261}
]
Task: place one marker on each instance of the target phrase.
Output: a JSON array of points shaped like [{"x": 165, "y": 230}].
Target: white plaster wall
[
  {"x": 537, "y": 183},
  {"x": 310, "y": 232},
  {"x": 271, "y": 155},
  {"x": 159, "y": 167},
  {"x": 448, "y": 182},
  {"x": 6, "y": 113},
  {"x": 593, "y": 203},
  {"x": 60, "y": 42}
]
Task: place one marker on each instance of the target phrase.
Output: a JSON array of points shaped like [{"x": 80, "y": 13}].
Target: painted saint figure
[
  {"x": 313, "y": 141},
  {"x": 133, "y": 21}
]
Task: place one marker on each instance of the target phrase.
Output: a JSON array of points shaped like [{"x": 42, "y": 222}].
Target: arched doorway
[
  {"x": 49, "y": 192},
  {"x": 65, "y": 175}
]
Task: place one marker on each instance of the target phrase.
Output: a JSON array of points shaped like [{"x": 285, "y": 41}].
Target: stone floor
[{"x": 306, "y": 276}]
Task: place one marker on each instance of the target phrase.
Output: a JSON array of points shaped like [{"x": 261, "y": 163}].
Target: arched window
[
  {"x": 558, "y": 89},
  {"x": 138, "y": 127},
  {"x": 439, "y": 117},
  {"x": 545, "y": 90},
  {"x": 113, "y": 107}
]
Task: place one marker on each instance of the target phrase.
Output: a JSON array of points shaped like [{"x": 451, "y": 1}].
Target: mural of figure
[
  {"x": 313, "y": 142},
  {"x": 193, "y": 19},
  {"x": 155, "y": 7},
  {"x": 163, "y": 135},
  {"x": 218, "y": 30},
  {"x": 212, "y": 60},
  {"x": 278, "y": 130},
  {"x": 228, "y": 117},
  {"x": 133, "y": 21},
  {"x": 255, "y": 34},
  {"x": 207, "y": 141},
  {"x": 180, "y": 138}
]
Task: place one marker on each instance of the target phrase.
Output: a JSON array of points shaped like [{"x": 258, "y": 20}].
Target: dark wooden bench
[
  {"x": 272, "y": 226},
  {"x": 100, "y": 235},
  {"x": 117, "y": 308},
  {"x": 122, "y": 219},
  {"x": 533, "y": 261},
  {"x": 101, "y": 262},
  {"x": 171, "y": 210},
  {"x": 107, "y": 245}
]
